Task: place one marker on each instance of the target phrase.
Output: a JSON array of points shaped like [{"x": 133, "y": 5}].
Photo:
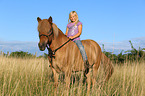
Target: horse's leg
[
  {"x": 67, "y": 79},
  {"x": 56, "y": 75},
  {"x": 89, "y": 82},
  {"x": 95, "y": 70}
]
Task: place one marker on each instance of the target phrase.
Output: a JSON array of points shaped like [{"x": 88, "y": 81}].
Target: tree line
[
  {"x": 129, "y": 55},
  {"x": 22, "y": 54}
]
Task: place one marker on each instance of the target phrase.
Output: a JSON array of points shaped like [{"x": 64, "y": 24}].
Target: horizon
[{"x": 32, "y": 47}]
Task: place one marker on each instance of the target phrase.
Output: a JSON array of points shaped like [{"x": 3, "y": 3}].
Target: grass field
[{"x": 32, "y": 77}]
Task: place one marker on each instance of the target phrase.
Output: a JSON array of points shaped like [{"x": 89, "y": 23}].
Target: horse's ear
[
  {"x": 38, "y": 19},
  {"x": 50, "y": 19}
]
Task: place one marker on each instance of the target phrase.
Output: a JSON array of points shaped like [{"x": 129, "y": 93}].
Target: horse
[{"x": 64, "y": 55}]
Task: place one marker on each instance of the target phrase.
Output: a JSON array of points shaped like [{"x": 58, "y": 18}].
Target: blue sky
[{"x": 103, "y": 20}]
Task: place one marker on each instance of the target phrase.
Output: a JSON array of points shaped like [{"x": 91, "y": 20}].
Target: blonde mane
[{"x": 55, "y": 29}]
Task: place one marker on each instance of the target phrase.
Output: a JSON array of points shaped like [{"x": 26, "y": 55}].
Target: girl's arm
[
  {"x": 79, "y": 33},
  {"x": 66, "y": 31}
]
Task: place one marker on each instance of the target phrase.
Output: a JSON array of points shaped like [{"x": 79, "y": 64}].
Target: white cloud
[{"x": 123, "y": 45}]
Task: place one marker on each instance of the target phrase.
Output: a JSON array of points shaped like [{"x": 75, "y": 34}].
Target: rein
[{"x": 52, "y": 52}]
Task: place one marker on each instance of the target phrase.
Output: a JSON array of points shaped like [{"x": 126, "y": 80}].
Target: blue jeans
[{"x": 82, "y": 49}]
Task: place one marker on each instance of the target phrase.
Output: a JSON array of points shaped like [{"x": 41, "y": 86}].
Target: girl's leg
[
  {"x": 82, "y": 49},
  {"x": 84, "y": 55}
]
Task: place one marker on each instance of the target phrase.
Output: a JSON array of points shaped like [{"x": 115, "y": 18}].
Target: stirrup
[{"x": 87, "y": 66}]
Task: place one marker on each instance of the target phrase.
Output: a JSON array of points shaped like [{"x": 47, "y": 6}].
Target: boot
[{"x": 87, "y": 66}]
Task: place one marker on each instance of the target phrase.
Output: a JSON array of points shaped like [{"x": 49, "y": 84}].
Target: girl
[{"x": 73, "y": 31}]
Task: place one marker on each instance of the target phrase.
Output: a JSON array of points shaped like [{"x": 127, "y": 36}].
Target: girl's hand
[{"x": 71, "y": 37}]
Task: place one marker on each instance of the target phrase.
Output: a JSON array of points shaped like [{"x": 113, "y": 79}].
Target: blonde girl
[{"x": 73, "y": 31}]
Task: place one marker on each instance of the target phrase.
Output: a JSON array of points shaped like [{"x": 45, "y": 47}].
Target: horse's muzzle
[{"x": 42, "y": 46}]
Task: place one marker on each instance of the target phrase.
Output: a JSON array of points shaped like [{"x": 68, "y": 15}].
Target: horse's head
[{"x": 45, "y": 30}]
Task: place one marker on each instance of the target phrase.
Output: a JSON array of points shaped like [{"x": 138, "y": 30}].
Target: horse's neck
[{"x": 57, "y": 41}]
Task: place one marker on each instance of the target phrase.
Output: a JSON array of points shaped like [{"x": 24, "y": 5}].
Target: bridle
[
  {"x": 51, "y": 53},
  {"x": 50, "y": 33}
]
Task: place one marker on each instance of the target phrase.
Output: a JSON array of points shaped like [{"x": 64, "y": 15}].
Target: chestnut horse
[{"x": 65, "y": 56}]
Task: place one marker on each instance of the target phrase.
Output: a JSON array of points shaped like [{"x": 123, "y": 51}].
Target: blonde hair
[{"x": 77, "y": 19}]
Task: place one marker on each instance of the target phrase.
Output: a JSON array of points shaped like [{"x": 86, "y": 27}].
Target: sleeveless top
[{"x": 73, "y": 30}]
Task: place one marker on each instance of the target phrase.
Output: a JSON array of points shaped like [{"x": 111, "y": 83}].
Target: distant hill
[{"x": 32, "y": 47}]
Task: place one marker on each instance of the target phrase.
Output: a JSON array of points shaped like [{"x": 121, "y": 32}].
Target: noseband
[{"x": 50, "y": 33}]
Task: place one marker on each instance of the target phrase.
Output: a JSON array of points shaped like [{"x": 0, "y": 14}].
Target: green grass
[{"x": 33, "y": 77}]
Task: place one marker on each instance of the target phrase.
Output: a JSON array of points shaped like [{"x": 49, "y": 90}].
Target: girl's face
[{"x": 73, "y": 17}]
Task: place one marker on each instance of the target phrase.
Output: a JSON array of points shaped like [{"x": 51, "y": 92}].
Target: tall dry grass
[{"x": 29, "y": 77}]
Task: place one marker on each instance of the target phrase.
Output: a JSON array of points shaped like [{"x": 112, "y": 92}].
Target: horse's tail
[{"x": 108, "y": 67}]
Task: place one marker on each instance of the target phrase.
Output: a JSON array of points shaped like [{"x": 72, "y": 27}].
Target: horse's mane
[{"x": 55, "y": 29}]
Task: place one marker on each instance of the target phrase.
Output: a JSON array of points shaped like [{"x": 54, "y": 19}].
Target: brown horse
[{"x": 67, "y": 57}]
